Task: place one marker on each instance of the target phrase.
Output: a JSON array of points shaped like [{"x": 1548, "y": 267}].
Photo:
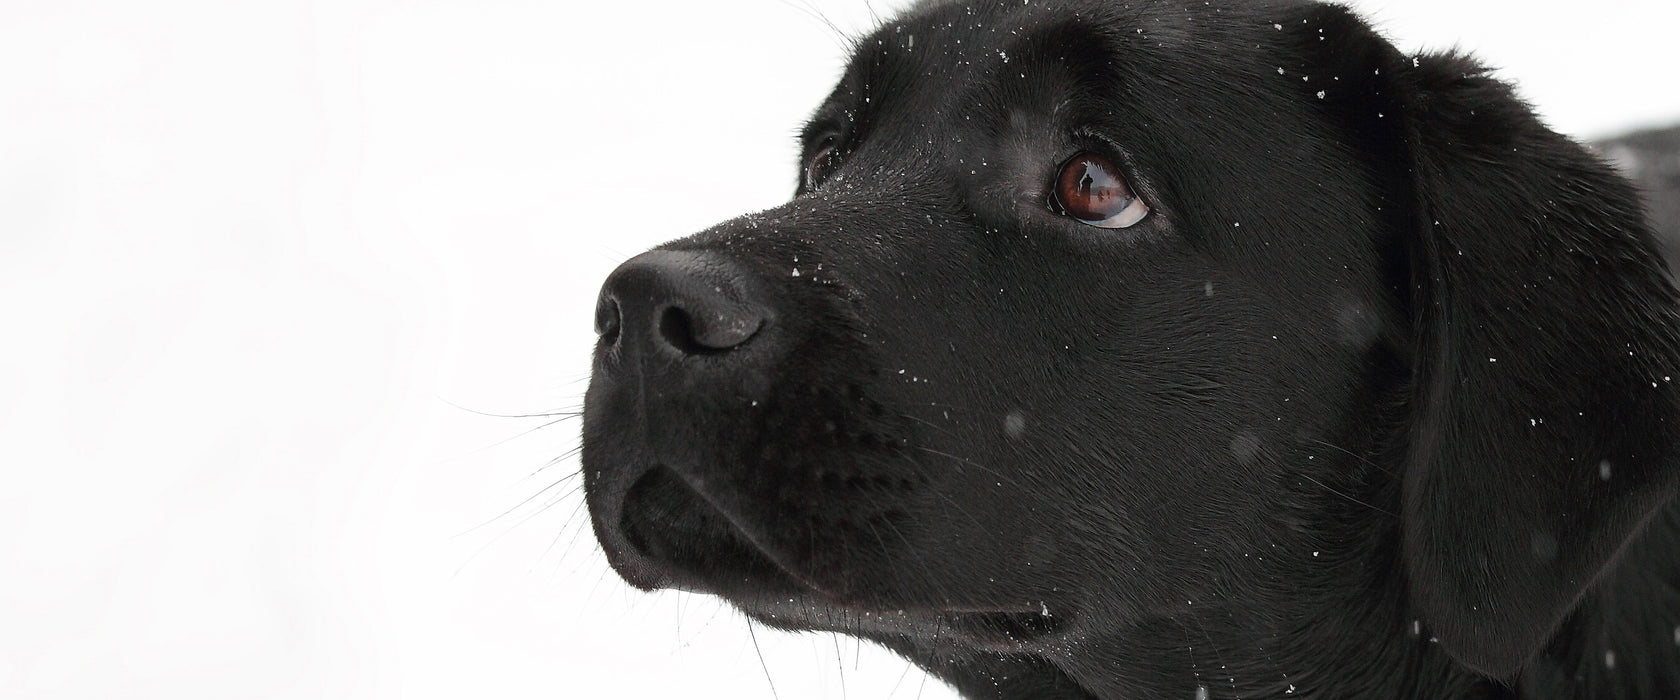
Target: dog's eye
[
  {"x": 821, "y": 164},
  {"x": 1089, "y": 188}
]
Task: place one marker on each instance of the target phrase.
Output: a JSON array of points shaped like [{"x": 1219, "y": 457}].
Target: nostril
[
  {"x": 678, "y": 333},
  {"x": 711, "y": 330},
  {"x": 607, "y": 320},
  {"x": 685, "y": 302}
]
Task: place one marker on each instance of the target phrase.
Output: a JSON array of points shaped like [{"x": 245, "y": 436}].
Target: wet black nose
[{"x": 681, "y": 302}]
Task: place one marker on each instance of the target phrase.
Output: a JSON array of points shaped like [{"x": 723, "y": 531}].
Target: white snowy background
[{"x": 265, "y": 266}]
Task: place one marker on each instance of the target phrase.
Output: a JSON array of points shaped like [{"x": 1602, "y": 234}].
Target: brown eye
[
  {"x": 1089, "y": 188},
  {"x": 822, "y": 162}
]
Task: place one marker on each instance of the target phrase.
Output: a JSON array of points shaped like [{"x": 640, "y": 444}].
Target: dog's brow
[{"x": 884, "y": 64}]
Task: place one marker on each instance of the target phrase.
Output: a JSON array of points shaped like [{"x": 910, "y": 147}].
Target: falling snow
[{"x": 1014, "y": 425}]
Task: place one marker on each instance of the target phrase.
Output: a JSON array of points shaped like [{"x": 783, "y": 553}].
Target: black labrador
[{"x": 1166, "y": 349}]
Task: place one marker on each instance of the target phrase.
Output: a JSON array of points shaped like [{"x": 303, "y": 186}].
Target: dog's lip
[
  {"x": 781, "y": 596},
  {"x": 738, "y": 544},
  {"x": 1003, "y": 628}
]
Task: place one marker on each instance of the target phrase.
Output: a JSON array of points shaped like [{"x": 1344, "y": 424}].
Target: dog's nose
[{"x": 686, "y": 302}]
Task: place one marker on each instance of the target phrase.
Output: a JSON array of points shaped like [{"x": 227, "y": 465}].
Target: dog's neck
[
  {"x": 1262, "y": 634},
  {"x": 1233, "y": 648},
  {"x": 1260, "y": 631},
  {"x": 1623, "y": 641}
]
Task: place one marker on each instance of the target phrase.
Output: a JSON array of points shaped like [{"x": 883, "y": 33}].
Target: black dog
[{"x": 1166, "y": 350}]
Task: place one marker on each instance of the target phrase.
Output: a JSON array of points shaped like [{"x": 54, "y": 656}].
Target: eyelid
[
  {"x": 826, "y": 139},
  {"x": 1125, "y": 218}
]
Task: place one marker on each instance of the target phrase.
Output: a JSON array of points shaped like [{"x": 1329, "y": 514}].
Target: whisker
[
  {"x": 522, "y": 503},
  {"x": 1343, "y": 495},
  {"x": 498, "y": 538},
  {"x": 561, "y": 413},
  {"x": 571, "y": 545},
  {"x": 842, "y": 41},
  {"x": 839, "y": 663},
  {"x": 521, "y": 434},
  {"x": 557, "y": 416},
  {"x": 1362, "y": 459},
  {"x": 969, "y": 410},
  {"x": 943, "y": 429},
  {"x": 969, "y": 462},
  {"x": 577, "y": 532},
  {"x": 907, "y": 667},
  {"x": 562, "y": 457},
  {"x": 760, "y": 652}
]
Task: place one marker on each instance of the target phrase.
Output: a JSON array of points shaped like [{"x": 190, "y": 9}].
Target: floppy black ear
[{"x": 1547, "y": 366}]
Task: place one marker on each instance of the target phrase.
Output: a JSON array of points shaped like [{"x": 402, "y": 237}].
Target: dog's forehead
[
  {"x": 951, "y": 69},
  {"x": 943, "y": 49},
  {"x": 953, "y": 43},
  {"x": 1164, "y": 19}
]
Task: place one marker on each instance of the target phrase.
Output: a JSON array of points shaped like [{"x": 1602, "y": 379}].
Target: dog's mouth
[
  {"x": 1003, "y": 629},
  {"x": 683, "y": 540},
  {"x": 691, "y": 544}
]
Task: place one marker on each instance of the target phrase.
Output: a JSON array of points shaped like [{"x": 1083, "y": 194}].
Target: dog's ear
[
  {"x": 1547, "y": 399},
  {"x": 1545, "y": 418}
]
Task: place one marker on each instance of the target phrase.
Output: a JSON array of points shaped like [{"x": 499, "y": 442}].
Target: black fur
[{"x": 1379, "y": 401}]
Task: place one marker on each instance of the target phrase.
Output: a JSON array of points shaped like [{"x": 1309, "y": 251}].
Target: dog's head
[{"x": 1090, "y": 316}]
